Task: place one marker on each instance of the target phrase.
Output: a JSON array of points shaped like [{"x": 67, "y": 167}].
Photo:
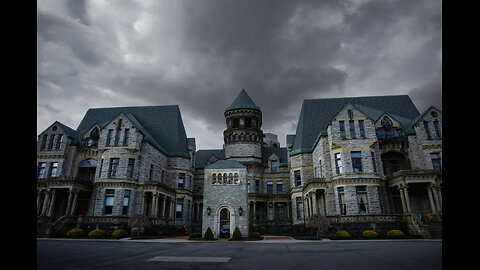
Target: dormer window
[{"x": 274, "y": 166}]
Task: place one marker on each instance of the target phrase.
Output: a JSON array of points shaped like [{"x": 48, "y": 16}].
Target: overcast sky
[{"x": 200, "y": 54}]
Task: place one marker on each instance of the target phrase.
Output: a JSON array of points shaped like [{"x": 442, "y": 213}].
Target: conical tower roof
[{"x": 243, "y": 101}]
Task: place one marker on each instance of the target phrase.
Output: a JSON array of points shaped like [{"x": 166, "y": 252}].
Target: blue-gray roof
[
  {"x": 317, "y": 114},
  {"x": 161, "y": 125},
  {"x": 243, "y": 101},
  {"x": 201, "y": 156},
  {"x": 225, "y": 164}
]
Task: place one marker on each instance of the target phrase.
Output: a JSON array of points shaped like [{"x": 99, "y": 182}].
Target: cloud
[{"x": 200, "y": 55}]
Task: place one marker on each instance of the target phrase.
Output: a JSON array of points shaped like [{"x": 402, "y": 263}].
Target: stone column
[
  {"x": 314, "y": 200},
  {"x": 402, "y": 197},
  {"x": 254, "y": 211},
  {"x": 52, "y": 204},
  {"x": 74, "y": 204},
  {"x": 437, "y": 201},
  {"x": 164, "y": 200},
  {"x": 69, "y": 202},
  {"x": 430, "y": 198},
  {"x": 45, "y": 202},
  {"x": 407, "y": 199},
  {"x": 154, "y": 210},
  {"x": 144, "y": 196}
]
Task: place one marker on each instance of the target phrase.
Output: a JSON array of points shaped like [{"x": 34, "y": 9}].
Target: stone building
[{"x": 364, "y": 162}]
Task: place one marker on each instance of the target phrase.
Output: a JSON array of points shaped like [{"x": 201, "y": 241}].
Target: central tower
[{"x": 243, "y": 137}]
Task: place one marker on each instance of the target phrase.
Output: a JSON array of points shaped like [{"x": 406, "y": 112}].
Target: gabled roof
[
  {"x": 160, "y": 125},
  {"x": 201, "y": 156},
  {"x": 243, "y": 100},
  {"x": 417, "y": 119},
  {"x": 68, "y": 131},
  {"x": 281, "y": 153},
  {"x": 225, "y": 164},
  {"x": 317, "y": 114}
]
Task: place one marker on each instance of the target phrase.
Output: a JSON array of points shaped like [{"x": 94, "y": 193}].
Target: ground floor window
[
  {"x": 341, "y": 200},
  {"x": 299, "y": 202},
  {"x": 362, "y": 199},
  {"x": 109, "y": 197},
  {"x": 179, "y": 209}
]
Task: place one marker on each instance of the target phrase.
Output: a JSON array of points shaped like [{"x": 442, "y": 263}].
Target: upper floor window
[
  {"x": 362, "y": 128},
  {"x": 269, "y": 187},
  {"x": 427, "y": 130},
  {"x": 357, "y": 161},
  {"x": 214, "y": 178},
  {"x": 112, "y": 171},
  {"x": 338, "y": 163},
  {"x": 374, "y": 162},
  {"x": 59, "y": 140},
  {"x": 150, "y": 173},
  {"x": 437, "y": 129},
  {"x": 131, "y": 163},
  {"x": 53, "y": 169},
  {"x": 230, "y": 178},
  {"x": 181, "y": 180},
  {"x": 44, "y": 142},
  {"x": 342, "y": 129},
  {"x": 248, "y": 122},
  {"x": 381, "y": 133},
  {"x": 352, "y": 129},
  {"x": 117, "y": 137},
  {"x": 362, "y": 199},
  {"x": 350, "y": 114},
  {"x": 41, "y": 169},
  {"x": 436, "y": 161},
  {"x": 50, "y": 142},
  {"x": 298, "y": 178},
  {"x": 235, "y": 178},
  {"x": 109, "y": 137},
  {"x": 236, "y": 122},
  {"x": 279, "y": 187},
  {"x": 126, "y": 134},
  {"x": 274, "y": 166}
]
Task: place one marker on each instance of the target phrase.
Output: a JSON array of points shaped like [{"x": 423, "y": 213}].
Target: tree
[
  {"x": 237, "y": 235},
  {"x": 138, "y": 221},
  {"x": 318, "y": 221},
  {"x": 208, "y": 234}
]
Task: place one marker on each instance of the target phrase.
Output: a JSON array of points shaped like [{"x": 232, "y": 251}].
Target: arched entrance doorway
[{"x": 224, "y": 223}]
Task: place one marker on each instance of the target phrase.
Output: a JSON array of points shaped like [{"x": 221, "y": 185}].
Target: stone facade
[{"x": 365, "y": 162}]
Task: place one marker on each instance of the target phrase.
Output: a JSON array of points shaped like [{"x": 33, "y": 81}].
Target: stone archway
[{"x": 224, "y": 219}]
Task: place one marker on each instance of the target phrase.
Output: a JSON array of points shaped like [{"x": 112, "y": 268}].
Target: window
[
  {"x": 219, "y": 178},
  {"x": 436, "y": 161},
  {"x": 235, "y": 178},
  {"x": 126, "y": 134},
  {"x": 41, "y": 169},
  {"x": 342, "y": 129},
  {"x": 181, "y": 180},
  {"x": 248, "y": 122},
  {"x": 112, "y": 171},
  {"x": 257, "y": 186},
  {"x": 362, "y": 128},
  {"x": 373, "y": 162},
  {"x": 269, "y": 187},
  {"x": 150, "y": 173},
  {"x": 299, "y": 201},
  {"x": 362, "y": 199},
  {"x": 427, "y": 130},
  {"x": 225, "y": 178},
  {"x": 352, "y": 129},
  {"x": 437, "y": 129},
  {"x": 44, "y": 142},
  {"x": 50, "y": 142},
  {"x": 117, "y": 136},
  {"x": 230, "y": 178},
  {"x": 270, "y": 211},
  {"x": 338, "y": 163},
  {"x": 179, "y": 208},
  {"x": 350, "y": 114},
  {"x": 126, "y": 201},
  {"x": 59, "y": 141},
  {"x": 109, "y": 197},
  {"x": 274, "y": 166},
  {"x": 53, "y": 169},
  {"x": 357, "y": 162},
  {"x": 236, "y": 122},
  {"x": 381, "y": 133},
  {"x": 214, "y": 178},
  {"x": 298, "y": 178},
  {"x": 279, "y": 187},
  {"x": 131, "y": 164},
  {"x": 109, "y": 137},
  {"x": 341, "y": 201},
  {"x": 248, "y": 186}
]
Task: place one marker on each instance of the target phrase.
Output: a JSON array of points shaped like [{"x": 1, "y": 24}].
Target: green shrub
[
  {"x": 195, "y": 235},
  {"x": 97, "y": 233},
  {"x": 342, "y": 234},
  {"x": 395, "y": 234},
  {"x": 208, "y": 234},
  {"x": 74, "y": 233},
  {"x": 237, "y": 235},
  {"x": 256, "y": 235},
  {"x": 369, "y": 234},
  {"x": 119, "y": 234}
]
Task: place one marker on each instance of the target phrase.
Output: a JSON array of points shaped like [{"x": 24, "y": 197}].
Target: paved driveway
[{"x": 69, "y": 254}]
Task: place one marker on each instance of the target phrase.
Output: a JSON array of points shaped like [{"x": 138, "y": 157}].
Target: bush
[
  {"x": 195, "y": 235},
  {"x": 97, "y": 233},
  {"x": 369, "y": 234},
  {"x": 395, "y": 234},
  {"x": 119, "y": 234},
  {"x": 256, "y": 235},
  {"x": 75, "y": 233},
  {"x": 342, "y": 234},
  {"x": 208, "y": 234},
  {"x": 237, "y": 235}
]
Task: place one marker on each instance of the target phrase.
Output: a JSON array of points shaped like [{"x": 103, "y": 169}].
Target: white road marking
[{"x": 188, "y": 259}]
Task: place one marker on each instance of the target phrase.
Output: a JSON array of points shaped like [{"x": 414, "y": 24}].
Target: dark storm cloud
[{"x": 201, "y": 54}]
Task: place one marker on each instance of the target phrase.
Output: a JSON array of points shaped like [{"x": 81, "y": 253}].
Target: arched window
[
  {"x": 219, "y": 178},
  {"x": 230, "y": 178},
  {"x": 214, "y": 178},
  {"x": 225, "y": 179},
  {"x": 235, "y": 179}
]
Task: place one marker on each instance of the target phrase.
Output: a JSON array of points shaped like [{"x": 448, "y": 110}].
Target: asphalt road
[{"x": 65, "y": 254}]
